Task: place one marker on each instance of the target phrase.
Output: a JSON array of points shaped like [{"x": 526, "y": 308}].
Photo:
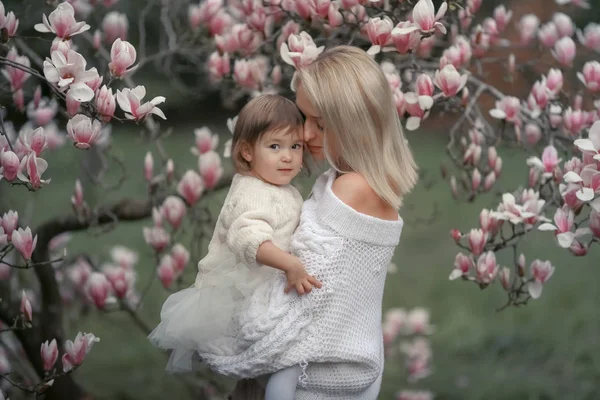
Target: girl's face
[
  {"x": 276, "y": 157},
  {"x": 313, "y": 125}
]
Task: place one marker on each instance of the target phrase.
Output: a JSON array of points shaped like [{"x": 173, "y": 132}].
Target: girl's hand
[{"x": 299, "y": 279}]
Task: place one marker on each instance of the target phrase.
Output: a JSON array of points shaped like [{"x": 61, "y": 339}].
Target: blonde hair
[
  {"x": 354, "y": 100},
  {"x": 264, "y": 113}
]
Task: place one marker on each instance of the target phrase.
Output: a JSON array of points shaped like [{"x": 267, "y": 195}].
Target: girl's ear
[{"x": 246, "y": 151}]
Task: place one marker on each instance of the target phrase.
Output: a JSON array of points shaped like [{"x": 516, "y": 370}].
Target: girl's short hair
[
  {"x": 354, "y": 100},
  {"x": 264, "y": 113}
]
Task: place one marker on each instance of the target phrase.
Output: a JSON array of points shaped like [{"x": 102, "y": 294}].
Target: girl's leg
[{"x": 282, "y": 384}]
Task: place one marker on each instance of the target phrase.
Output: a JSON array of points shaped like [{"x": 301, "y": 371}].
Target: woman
[{"x": 348, "y": 232}]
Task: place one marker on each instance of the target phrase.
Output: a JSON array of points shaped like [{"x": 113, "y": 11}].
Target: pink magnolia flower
[
  {"x": 31, "y": 170},
  {"x": 122, "y": 57},
  {"x": 540, "y": 94},
  {"x": 25, "y": 307},
  {"x": 43, "y": 112},
  {"x": 334, "y": 16},
  {"x": 209, "y": 165},
  {"x": 9, "y": 165},
  {"x": 166, "y": 271},
  {"x": 379, "y": 31},
  {"x": 502, "y": 17},
  {"x": 77, "y": 198},
  {"x": 548, "y": 34},
  {"x": 590, "y": 37},
  {"x": 98, "y": 289},
  {"x": 541, "y": 271},
  {"x": 75, "y": 351},
  {"x": 16, "y": 76},
  {"x": 121, "y": 280},
  {"x": 554, "y": 81},
  {"x": 49, "y": 354},
  {"x": 403, "y": 41},
  {"x": 591, "y": 145},
  {"x": 170, "y": 170},
  {"x": 548, "y": 163},
  {"x": 424, "y": 86},
  {"x": 124, "y": 257},
  {"x": 130, "y": 101},
  {"x": 33, "y": 140},
  {"x": 477, "y": 240},
  {"x": 591, "y": 76},
  {"x": 564, "y": 50},
  {"x": 62, "y": 22},
  {"x": 218, "y": 66},
  {"x": 564, "y": 24},
  {"x": 9, "y": 222},
  {"x": 475, "y": 179},
  {"x": 505, "y": 278},
  {"x": 190, "y": 187},
  {"x": 528, "y": 25},
  {"x": 11, "y": 24},
  {"x": 114, "y": 26},
  {"x": 157, "y": 238},
  {"x": 563, "y": 224},
  {"x": 510, "y": 211},
  {"x": 300, "y": 50},
  {"x": 418, "y": 321},
  {"x": 205, "y": 141},
  {"x": 424, "y": 18},
  {"x": 83, "y": 131},
  {"x": 105, "y": 103},
  {"x": 24, "y": 242},
  {"x": 418, "y": 108},
  {"x": 488, "y": 222},
  {"x": 250, "y": 74},
  {"x": 462, "y": 266},
  {"x": 509, "y": 108},
  {"x": 68, "y": 73},
  {"x": 394, "y": 320},
  {"x": 449, "y": 80},
  {"x": 180, "y": 257},
  {"x": 573, "y": 121},
  {"x": 173, "y": 210},
  {"x": 487, "y": 268}
]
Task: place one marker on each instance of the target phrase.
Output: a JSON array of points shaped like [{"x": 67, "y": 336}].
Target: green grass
[{"x": 547, "y": 350}]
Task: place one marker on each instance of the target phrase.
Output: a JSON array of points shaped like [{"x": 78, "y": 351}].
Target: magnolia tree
[{"x": 434, "y": 57}]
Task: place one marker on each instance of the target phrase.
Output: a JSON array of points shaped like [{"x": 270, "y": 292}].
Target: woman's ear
[{"x": 246, "y": 151}]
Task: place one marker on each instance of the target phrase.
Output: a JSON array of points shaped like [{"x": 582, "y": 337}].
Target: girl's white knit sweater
[{"x": 334, "y": 332}]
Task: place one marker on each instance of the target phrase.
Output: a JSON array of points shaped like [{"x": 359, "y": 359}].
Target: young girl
[{"x": 249, "y": 247}]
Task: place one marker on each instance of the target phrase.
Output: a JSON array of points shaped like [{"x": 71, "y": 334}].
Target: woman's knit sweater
[{"x": 333, "y": 332}]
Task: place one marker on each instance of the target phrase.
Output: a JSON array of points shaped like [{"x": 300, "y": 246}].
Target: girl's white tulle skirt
[{"x": 198, "y": 318}]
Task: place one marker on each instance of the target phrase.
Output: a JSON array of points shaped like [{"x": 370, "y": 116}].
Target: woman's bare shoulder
[{"x": 353, "y": 189}]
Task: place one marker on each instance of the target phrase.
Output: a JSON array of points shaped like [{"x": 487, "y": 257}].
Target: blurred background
[{"x": 549, "y": 349}]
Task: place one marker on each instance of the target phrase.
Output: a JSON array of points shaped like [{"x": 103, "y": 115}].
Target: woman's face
[{"x": 313, "y": 125}]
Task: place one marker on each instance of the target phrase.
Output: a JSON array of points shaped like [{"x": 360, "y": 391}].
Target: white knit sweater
[
  {"x": 334, "y": 332},
  {"x": 253, "y": 212}
]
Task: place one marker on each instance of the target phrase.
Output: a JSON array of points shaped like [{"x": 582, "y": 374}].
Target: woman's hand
[{"x": 299, "y": 279}]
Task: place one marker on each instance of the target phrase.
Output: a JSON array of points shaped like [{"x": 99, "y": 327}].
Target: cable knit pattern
[{"x": 335, "y": 329}]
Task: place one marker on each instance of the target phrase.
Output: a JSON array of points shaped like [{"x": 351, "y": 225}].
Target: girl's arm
[{"x": 271, "y": 255}]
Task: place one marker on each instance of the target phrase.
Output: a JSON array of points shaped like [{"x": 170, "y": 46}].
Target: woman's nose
[{"x": 309, "y": 134}]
